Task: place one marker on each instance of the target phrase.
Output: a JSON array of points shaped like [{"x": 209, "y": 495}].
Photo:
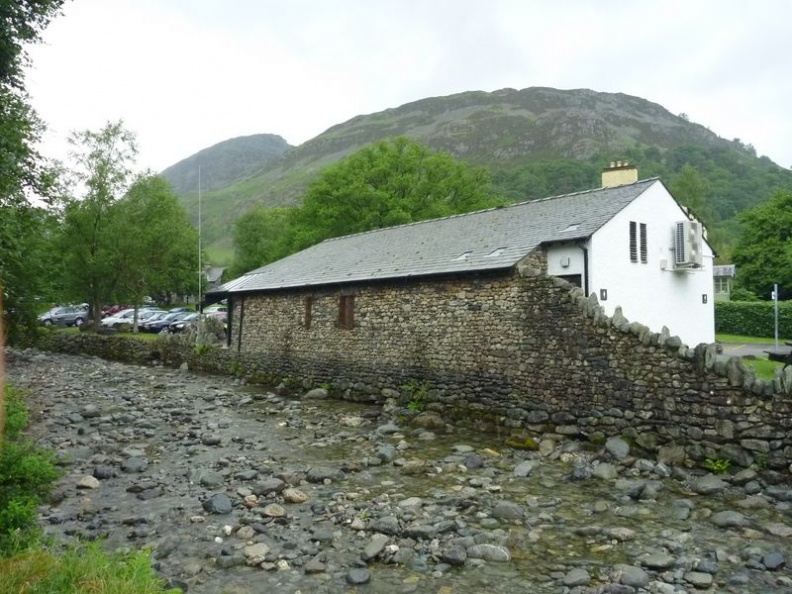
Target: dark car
[
  {"x": 162, "y": 322},
  {"x": 183, "y": 323},
  {"x": 180, "y": 310},
  {"x": 69, "y": 315}
]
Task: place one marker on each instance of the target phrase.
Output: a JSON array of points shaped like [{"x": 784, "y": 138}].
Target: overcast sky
[{"x": 186, "y": 74}]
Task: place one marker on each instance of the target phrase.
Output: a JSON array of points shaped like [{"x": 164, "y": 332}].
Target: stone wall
[{"x": 522, "y": 351}]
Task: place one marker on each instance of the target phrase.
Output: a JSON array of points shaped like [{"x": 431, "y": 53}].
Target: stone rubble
[{"x": 238, "y": 489}]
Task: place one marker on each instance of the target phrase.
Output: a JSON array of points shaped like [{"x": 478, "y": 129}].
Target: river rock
[
  {"x": 88, "y": 482},
  {"x": 525, "y": 468},
  {"x": 219, "y": 503},
  {"x": 292, "y": 495},
  {"x": 489, "y": 552},
  {"x": 729, "y": 519},
  {"x": 357, "y": 576},
  {"x": 507, "y": 510},
  {"x": 630, "y": 575},
  {"x": 576, "y": 577},
  {"x": 374, "y": 547},
  {"x": 134, "y": 464}
]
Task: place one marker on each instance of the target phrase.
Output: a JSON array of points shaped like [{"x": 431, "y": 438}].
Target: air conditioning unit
[{"x": 688, "y": 244}]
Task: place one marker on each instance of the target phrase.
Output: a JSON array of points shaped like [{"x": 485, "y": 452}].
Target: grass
[
  {"x": 765, "y": 369},
  {"x": 86, "y": 569},
  {"x": 734, "y": 338}
]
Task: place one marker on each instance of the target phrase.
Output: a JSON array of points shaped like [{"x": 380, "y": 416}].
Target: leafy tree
[
  {"x": 21, "y": 168},
  {"x": 154, "y": 242},
  {"x": 104, "y": 161},
  {"x": 389, "y": 183},
  {"x": 763, "y": 254},
  {"x": 258, "y": 238}
]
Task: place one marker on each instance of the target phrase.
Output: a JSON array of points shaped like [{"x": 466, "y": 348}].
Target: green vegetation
[
  {"x": 26, "y": 477},
  {"x": 763, "y": 254},
  {"x": 753, "y": 318},
  {"x": 523, "y": 443},
  {"x": 392, "y": 182},
  {"x": 740, "y": 339},
  {"x": 86, "y": 569},
  {"x": 23, "y": 227},
  {"x": 126, "y": 237},
  {"x": 717, "y": 466},
  {"x": 414, "y": 394},
  {"x": 763, "y": 367}
]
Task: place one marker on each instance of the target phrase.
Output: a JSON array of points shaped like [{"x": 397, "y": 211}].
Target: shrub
[
  {"x": 80, "y": 569},
  {"x": 26, "y": 477},
  {"x": 753, "y": 318}
]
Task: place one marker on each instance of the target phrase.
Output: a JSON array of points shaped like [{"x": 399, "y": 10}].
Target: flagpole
[{"x": 200, "y": 267}]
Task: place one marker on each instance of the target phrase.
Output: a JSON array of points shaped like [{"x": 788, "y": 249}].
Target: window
[
  {"x": 638, "y": 233},
  {"x": 721, "y": 284},
  {"x": 346, "y": 312},
  {"x": 308, "y": 312},
  {"x": 643, "y": 243}
]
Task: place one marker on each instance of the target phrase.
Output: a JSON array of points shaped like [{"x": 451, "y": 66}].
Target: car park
[{"x": 69, "y": 315}]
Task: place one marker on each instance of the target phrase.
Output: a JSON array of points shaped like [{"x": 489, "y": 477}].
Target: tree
[
  {"x": 389, "y": 183},
  {"x": 692, "y": 191},
  {"x": 763, "y": 253},
  {"x": 21, "y": 168},
  {"x": 155, "y": 244},
  {"x": 104, "y": 160},
  {"x": 258, "y": 238}
]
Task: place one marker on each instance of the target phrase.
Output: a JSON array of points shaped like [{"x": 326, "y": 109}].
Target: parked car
[
  {"x": 180, "y": 309},
  {"x": 112, "y": 310},
  {"x": 70, "y": 315},
  {"x": 183, "y": 323},
  {"x": 213, "y": 308},
  {"x": 160, "y": 323},
  {"x": 126, "y": 316}
]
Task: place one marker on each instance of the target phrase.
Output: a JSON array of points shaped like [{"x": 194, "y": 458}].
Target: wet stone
[
  {"x": 489, "y": 552},
  {"x": 774, "y": 560},
  {"x": 218, "y": 503},
  {"x": 577, "y": 577},
  {"x": 134, "y": 464},
  {"x": 357, "y": 576}
]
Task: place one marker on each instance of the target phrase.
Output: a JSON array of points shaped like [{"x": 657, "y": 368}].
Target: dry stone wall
[{"x": 522, "y": 351}]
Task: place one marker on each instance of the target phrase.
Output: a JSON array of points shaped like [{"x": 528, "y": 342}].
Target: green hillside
[{"x": 537, "y": 142}]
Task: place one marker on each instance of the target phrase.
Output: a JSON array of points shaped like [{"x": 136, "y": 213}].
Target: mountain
[
  {"x": 225, "y": 163},
  {"x": 537, "y": 142}
]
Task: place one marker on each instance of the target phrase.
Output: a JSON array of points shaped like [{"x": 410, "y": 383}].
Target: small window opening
[
  {"x": 464, "y": 256},
  {"x": 633, "y": 242},
  {"x": 572, "y": 227},
  {"x": 643, "y": 243},
  {"x": 495, "y": 253},
  {"x": 346, "y": 312},
  {"x": 308, "y": 312}
]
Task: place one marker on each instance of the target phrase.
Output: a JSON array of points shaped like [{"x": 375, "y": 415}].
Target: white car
[{"x": 126, "y": 316}]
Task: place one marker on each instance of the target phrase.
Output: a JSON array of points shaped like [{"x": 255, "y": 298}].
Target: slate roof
[{"x": 491, "y": 239}]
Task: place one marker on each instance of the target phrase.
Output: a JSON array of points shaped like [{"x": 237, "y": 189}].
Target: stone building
[{"x": 452, "y": 288}]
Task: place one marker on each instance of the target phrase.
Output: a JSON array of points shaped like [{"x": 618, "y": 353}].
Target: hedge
[{"x": 753, "y": 318}]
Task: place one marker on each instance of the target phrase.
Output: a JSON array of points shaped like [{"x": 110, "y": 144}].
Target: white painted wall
[
  {"x": 559, "y": 253},
  {"x": 646, "y": 292}
]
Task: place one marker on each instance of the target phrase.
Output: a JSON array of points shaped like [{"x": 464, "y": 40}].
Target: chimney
[{"x": 619, "y": 173}]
